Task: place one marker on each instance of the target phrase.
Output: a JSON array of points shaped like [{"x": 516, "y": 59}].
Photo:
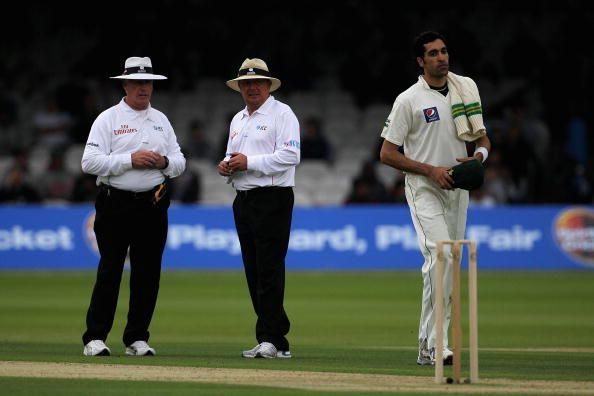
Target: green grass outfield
[{"x": 532, "y": 326}]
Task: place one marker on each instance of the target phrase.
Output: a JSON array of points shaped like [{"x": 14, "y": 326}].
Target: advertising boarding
[{"x": 324, "y": 238}]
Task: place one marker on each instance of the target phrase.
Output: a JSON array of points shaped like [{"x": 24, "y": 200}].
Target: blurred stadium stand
[{"x": 341, "y": 62}]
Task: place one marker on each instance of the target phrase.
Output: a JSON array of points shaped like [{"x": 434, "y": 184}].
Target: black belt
[
  {"x": 154, "y": 194},
  {"x": 258, "y": 190}
]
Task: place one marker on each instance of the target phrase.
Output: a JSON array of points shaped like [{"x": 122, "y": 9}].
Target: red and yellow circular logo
[{"x": 574, "y": 233}]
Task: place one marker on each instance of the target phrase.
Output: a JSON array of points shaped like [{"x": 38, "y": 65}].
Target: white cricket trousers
[{"x": 437, "y": 214}]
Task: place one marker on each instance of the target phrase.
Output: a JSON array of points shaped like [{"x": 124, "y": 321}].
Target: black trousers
[
  {"x": 123, "y": 221},
  {"x": 263, "y": 221}
]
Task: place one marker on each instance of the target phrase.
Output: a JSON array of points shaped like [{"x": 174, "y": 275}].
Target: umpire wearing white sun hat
[
  {"x": 137, "y": 68},
  {"x": 133, "y": 150}
]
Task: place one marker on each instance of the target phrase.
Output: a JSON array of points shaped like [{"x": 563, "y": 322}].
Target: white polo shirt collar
[
  {"x": 264, "y": 109},
  {"x": 145, "y": 114}
]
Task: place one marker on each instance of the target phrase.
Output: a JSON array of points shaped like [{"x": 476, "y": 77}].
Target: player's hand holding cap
[{"x": 468, "y": 175}]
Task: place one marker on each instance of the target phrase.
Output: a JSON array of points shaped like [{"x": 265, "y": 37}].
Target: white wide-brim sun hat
[
  {"x": 252, "y": 69},
  {"x": 137, "y": 68}
]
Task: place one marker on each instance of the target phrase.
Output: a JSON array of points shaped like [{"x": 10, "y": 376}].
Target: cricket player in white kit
[{"x": 421, "y": 123}]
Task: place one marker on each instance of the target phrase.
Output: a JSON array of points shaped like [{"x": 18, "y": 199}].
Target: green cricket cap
[{"x": 468, "y": 175}]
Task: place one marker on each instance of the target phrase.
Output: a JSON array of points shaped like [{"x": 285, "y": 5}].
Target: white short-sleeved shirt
[
  {"x": 421, "y": 121},
  {"x": 120, "y": 131},
  {"x": 270, "y": 139}
]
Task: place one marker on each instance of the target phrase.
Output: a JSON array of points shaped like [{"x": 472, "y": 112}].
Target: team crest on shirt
[{"x": 431, "y": 114}]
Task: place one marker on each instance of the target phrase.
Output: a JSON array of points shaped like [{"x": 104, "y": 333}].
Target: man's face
[
  {"x": 436, "y": 59},
  {"x": 138, "y": 93},
  {"x": 254, "y": 92}
]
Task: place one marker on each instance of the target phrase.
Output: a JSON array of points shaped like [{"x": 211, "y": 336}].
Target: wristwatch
[{"x": 166, "y": 162}]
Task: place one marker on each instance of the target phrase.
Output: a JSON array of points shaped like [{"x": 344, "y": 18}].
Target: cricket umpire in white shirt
[
  {"x": 133, "y": 150},
  {"x": 262, "y": 153}
]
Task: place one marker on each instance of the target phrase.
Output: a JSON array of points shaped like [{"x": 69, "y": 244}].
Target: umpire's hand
[
  {"x": 238, "y": 162},
  {"x": 224, "y": 168},
  {"x": 145, "y": 159}
]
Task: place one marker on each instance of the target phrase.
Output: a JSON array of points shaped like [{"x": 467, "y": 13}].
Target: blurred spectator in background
[
  {"x": 576, "y": 145},
  {"x": 224, "y": 139},
  {"x": 517, "y": 154},
  {"x": 314, "y": 144},
  {"x": 533, "y": 129},
  {"x": 197, "y": 146},
  {"x": 575, "y": 155},
  {"x": 86, "y": 111},
  {"x": 186, "y": 188},
  {"x": 367, "y": 187},
  {"x": 9, "y": 113},
  {"x": 56, "y": 183},
  {"x": 16, "y": 188},
  {"x": 20, "y": 158},
  {"x": 480, "y": 198},
  {"x": 84, "y": 189},
  {"x": 396, "y": 193},
  {"x": 497, "y": 183},
  {"x": 52, "y": 124},
  {"x": 376, "y": 149},
  {"x": 8, "y": 110},
  {"x": 580, "y": 188}
]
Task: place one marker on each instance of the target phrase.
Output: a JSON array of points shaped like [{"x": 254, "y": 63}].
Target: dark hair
[{"x": 424, "y": 38}]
